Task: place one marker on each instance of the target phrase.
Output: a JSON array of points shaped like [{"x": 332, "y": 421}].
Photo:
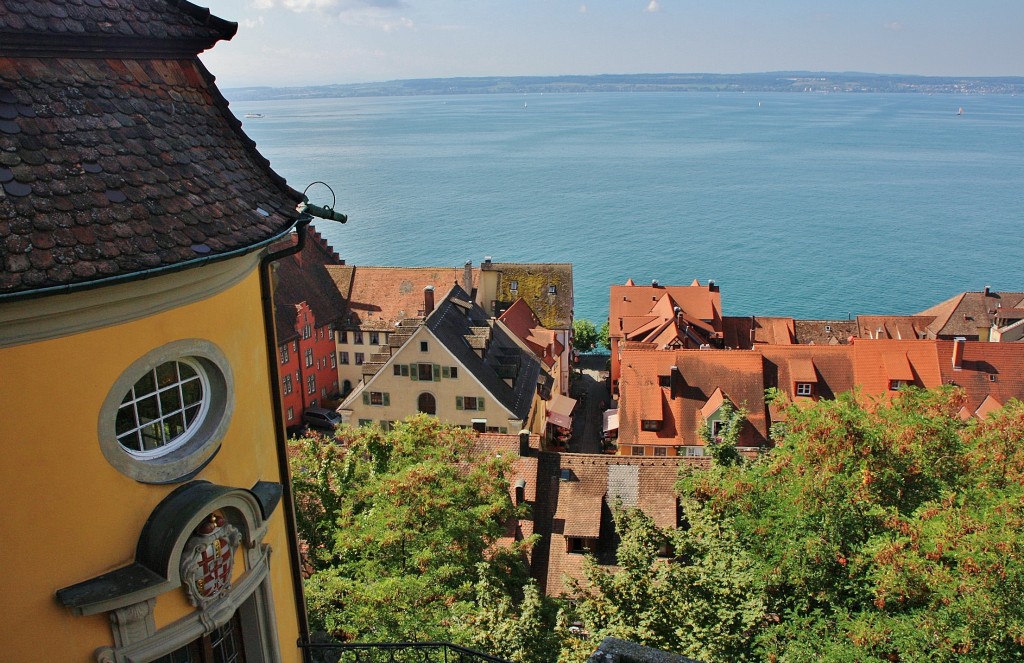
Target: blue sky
[{"x": 313, "y": 42}]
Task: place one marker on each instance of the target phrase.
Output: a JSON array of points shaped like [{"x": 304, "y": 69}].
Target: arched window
[{"x": 427, "y": 403}]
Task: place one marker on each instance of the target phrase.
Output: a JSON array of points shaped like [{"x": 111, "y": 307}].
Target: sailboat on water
[{"x": 960, "y": 111}]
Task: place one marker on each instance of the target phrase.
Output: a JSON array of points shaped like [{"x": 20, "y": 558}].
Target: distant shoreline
[{"x": 800, "y": 81}]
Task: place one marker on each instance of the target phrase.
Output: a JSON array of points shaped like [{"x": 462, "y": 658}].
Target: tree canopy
[
  {"x": 875, "y": 531},
  {"x": 584, "y": 335}
]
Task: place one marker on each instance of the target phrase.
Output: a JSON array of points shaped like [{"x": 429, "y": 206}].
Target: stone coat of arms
[{"x": 208, "y": 560}]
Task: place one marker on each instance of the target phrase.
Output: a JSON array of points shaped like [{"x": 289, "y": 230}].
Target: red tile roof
[
  {"x": 118, "y": 155},
  {"x": 633, "y": 301},
  {"x": 969, "y": 313},
  {"x": 876, "y": 363},
  {"x": 981, "y": 362},
  {"x": 899, "y": 327},
  {"x": 380, "y": 297},
  {"x": 742, "y": 333}
]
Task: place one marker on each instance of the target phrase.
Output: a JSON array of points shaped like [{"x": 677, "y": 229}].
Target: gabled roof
[
  {"x": 829, "y": 367},
  {"x": 453, "y": 321},
  {"x": 303, "y": 277},
  {"x": 877, "y": 362},
  {"x": 964, "y": 314},
  {"x": 629, "y": 302},
  {"x": 524, "y": 323},
  {"x": 381, "y": 297},
  {"x": 120, "y": 156},
  {"x": 824, "y": 332},
  {"x": 534, "y": 281}
]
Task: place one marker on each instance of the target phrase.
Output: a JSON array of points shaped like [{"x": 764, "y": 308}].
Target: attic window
[
  {"x": 514, "y": 286},
  {"x": 896, "y": 385},
  {"x": 804, "y": 388},
  {"x": 991, "y": 377},
  {"x": 828, "y": 328},
  {"x": 650, "y": 425},
  {"x": 552, "y": 290}
]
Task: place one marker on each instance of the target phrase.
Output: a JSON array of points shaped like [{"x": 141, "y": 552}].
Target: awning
[
  {"x": 560, "y": 411},
  {"x": 611, "y": 420}
]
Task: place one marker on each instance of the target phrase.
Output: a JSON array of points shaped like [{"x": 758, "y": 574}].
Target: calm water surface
[{"x": 804, "y": 205}]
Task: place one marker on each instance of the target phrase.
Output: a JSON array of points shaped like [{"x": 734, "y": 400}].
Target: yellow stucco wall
[{"x": 68, "y": 515}]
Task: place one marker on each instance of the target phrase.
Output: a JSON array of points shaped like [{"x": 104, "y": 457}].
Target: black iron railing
[{"x": 396, "y": 652}]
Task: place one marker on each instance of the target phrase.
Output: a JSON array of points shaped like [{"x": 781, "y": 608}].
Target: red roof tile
[{"x": 995, "y": 369}]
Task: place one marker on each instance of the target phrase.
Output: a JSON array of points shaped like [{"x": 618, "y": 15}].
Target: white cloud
[
  {"x": 250, "y": 23},
  {"x": 583, "y": 9},
  {"x": 653, "y": 6},
  {"x": 895, "y": 26}
]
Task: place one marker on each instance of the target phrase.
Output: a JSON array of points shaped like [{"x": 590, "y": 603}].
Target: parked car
[{"x": 322, "y": 418}]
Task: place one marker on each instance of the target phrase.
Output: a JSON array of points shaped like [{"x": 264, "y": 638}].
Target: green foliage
[
  {"x": 584, "y": 335},
  {"x": 603, "y": 336},
  {"x": 881, "y": 530},
  {"x": 397, "y": 524},
  {"x": 723, "y": 446}
]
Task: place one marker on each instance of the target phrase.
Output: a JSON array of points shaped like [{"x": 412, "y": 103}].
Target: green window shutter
[
  {"x": 445, "y": 372},
  {"x": 366, "y": 398},
  {"x": 405, "y": 370},
  {"x": 437, "y": 373},
  {"x": 458, "y": 402},
  {"x": 503, "y": 430},
  {"x": 387, "y": 398},
  {"x": 413, "y": 373},
  {"x": 480, "y": 404}
]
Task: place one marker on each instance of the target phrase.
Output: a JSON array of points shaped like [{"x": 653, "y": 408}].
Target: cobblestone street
[{"x": 591, "y": 392}]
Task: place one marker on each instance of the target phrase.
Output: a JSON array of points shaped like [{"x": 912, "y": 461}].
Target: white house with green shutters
[{"x": 459, "y": 365}]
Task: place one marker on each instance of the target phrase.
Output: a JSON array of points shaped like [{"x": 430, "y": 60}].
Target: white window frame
[{"x": 804, "y": 388}]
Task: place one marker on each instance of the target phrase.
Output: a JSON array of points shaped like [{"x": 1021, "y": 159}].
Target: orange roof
[
  {"x": 716, "y": 401},
  {"x": 987, "y": 407},
  {"x": 995, "y": 369},
  {"x": 802, "y": 370},
  {"x": 830, "y": 365},
  {"x": 900, "y": 327},
  {"x": 630, "y": 301},
  {"x": 380, "y": 297},
  {"x": 877, "y": 362},
  {"x": 897, "y": 366}
]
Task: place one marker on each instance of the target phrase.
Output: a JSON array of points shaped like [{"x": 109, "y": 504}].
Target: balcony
[{"x": 395, "y": 652}]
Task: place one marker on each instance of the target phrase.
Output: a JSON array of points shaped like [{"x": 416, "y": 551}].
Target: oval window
[
  {"x": 163, "y": 409},
  {"x": 164, "y": 418}
]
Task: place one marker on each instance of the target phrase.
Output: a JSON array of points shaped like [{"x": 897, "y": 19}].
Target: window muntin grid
[{"x": 163, "y": 409}]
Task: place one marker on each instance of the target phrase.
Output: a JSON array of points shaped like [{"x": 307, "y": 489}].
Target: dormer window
[
  {"x": 514, "y": 286},
  {"x": 650, "y": 425},
  {"x": 896, "y": 385},
  {"x": 552, "y": 290},
  {"x": 804, "y": 389}
]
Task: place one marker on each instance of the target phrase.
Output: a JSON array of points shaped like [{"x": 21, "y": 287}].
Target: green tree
[
  {"x": 723, "y": 446},
  {"x": 603, "y": 337},
  {"x": 398, "y": 523},
  {"x": 584, "y": 335}
]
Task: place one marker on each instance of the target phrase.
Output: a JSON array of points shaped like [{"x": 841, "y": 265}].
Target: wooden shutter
[
  {"x": 480, "y": 403},
  {"x": 414, "y": 372},
  {"x": 387, "y": 398},
  {"x": 437, "y": 373},
  {"x": 458, "y": 402},
  {"x": 366, "y": 398},
  {"x": 445, "y": 372}
]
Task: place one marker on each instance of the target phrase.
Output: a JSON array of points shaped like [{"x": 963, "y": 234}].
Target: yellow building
[
  {"x": 147, "y": 514},
  {"x": 458, "y": 365}
]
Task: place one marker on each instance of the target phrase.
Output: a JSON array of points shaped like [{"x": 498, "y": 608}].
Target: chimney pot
[
  {"x": 428, "y": 300},
  {"x": 958, "y": 352},
  {"x": 524, "y": 443},
  {"x": 520, "y": 491}
]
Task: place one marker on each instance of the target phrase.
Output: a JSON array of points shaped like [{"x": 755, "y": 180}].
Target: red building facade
[{"x": 309, "y": 367}]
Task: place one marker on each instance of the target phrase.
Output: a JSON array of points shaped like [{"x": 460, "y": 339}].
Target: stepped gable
[
  {"x": 118, "y": 155},
  {"x": 979, "y": 364},
  {"x": 453, "y": 322},
  {"x": 303, "y": 277},
  {"x": 381, "y": 297}
]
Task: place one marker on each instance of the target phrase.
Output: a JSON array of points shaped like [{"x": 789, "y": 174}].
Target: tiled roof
[
  {"x": 876, "y": 363},
  {"x": 633, "y": 301},
  {"x": 832, "y": 367},
  {"x": 967, "y": 313},
  {"x": 980, "y": 363},
  {"x": 738, "y": 373},
  {"x": 533, "y": 281},
  {"x": 381, "y": 297},
  {"x": 824, "y": 332},
  {"x": 23, "y": 24},
  {"x": 575, "y": 498},
  {"x": 117, "y": 164},
  {"x": 744, "y": 332},
  {"x": 524, "y": 323},
  {"x": 303, "y": 277},
  {"x": 451, "y": 323},
  {"x": 899, "y": 327}
]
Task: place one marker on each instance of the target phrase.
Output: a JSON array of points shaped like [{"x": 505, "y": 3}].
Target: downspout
[{"x": 270, "y": 333}]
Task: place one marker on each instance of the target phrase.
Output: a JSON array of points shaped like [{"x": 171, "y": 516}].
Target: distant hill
[{"x": 782, "y": 81}]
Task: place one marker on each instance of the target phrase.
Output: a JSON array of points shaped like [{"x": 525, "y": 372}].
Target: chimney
[
  {"x": 524, "y": 443},
  {"x": 520, "y": 491},
  {"x": 654, "y": 283},
  {"x": 958, "y": 352},
  {"x": 675, "y": 381},
  {"x": 428, "y": 300},
  {"x": 467, "y": 277},
  {"x": 988, "y": 289}
]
